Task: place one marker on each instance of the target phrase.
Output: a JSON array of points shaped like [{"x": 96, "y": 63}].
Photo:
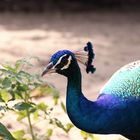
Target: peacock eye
[{"x": 62, "y": 63}]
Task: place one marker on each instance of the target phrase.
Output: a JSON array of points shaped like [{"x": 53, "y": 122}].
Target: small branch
[
  {"x": 29, "y": 118},
  {"x": 30, "y": 125}
]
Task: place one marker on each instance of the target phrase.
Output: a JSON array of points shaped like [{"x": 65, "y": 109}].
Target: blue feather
[{"x": 116, "y": 110}]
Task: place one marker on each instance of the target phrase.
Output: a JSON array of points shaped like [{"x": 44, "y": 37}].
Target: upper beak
[{"x": 49, "y": 69}]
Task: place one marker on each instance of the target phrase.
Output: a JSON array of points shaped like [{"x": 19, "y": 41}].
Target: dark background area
[
  {"x": 75, "y": 5},
  {"x": 41, "y": 27}
]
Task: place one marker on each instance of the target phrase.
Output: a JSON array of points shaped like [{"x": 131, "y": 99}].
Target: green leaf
[
  {"x": 22, "y": 87},
  {"x": 92, "y": 137},
  {"x": 3, "y": 107},
  {"x": 5, "y": 133},
  {"x": 36, "y": 115},
  {"x": 6, "y": 83},
  {"x": 55, "y": 100},
  {"x": 21, "y": 115},
  {"x": 5, "y": 96},
  {"x": 63, "y": 107},
  {"x": 55, "y": 93},
  {"x": 50, "y": 90},
  {"x": 49, "y": 133},
  {"x": 19, "y": 134},
  {"x": 42, "y": 106},
  {"x": 84, "y": 135},
  {"x": 23, "y": 106},
  {"x": 9, "y": 68},
  {"x": 59, "y": 124},
  {"x": 23, "y": 74},
  {"x": 69, "y": 126}
]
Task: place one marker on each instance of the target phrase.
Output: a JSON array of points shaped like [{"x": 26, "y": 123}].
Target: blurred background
[
  {"x": 41, "y": 27},
  {"x": 45, "y": 5}
]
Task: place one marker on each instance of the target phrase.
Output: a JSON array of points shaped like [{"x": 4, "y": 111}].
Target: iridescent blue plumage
[
  {"x": 116, "y": 110},
  {"x": 57, "y": 55}
]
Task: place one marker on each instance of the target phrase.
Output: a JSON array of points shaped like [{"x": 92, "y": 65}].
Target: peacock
[{"x": 116, "y": 109}]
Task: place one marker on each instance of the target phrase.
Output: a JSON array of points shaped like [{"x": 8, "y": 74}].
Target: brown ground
[{"x": 116, "y": 38}]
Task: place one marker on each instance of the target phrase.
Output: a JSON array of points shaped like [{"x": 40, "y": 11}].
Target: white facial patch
[
  {"x": 69, "y": 61},
  {"x": 59, "y": 62}
]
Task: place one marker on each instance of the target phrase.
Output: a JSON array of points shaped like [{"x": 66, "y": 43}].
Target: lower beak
[{"x": 49, "y": 69}]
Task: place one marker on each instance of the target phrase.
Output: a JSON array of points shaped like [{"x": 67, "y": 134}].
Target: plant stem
[
  {"x": 30, "y": 125},
  {"x": 29, "y": 118}
]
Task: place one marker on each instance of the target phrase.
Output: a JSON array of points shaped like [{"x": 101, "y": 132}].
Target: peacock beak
[{"x": 49, "y": 69}]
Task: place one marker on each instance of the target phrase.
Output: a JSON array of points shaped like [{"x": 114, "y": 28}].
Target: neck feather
[
  {"x": 79, "y": 108},
  {"x": 100, "y": 117}
]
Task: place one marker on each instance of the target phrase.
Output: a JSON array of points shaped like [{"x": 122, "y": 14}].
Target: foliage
[
  {"x": 86, "y": 135},
  {"x": 5, "y": 133},
  {"x": 19, "y": 86}
]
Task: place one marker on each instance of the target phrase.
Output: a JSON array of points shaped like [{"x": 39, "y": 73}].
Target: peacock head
[{"x": 64, "y": 62}]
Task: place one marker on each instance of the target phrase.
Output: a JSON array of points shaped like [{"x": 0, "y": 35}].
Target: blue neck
[
  {"x": 97, "y": 117},
  {"x": 109, "y": 114},
  {"x": 92, "y": 117},
  {"x": 79, "y": 108}
]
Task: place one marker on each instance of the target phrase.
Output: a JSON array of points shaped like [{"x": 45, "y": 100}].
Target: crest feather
[{"x": 86, "y": 57}]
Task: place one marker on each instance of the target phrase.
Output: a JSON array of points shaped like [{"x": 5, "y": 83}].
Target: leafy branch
[
  {"x": 23, "y": 88},
  {"x": 16, "y": 84}
]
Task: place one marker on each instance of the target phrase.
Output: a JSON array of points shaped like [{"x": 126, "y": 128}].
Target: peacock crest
[{"x": 86, "y": 57}]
